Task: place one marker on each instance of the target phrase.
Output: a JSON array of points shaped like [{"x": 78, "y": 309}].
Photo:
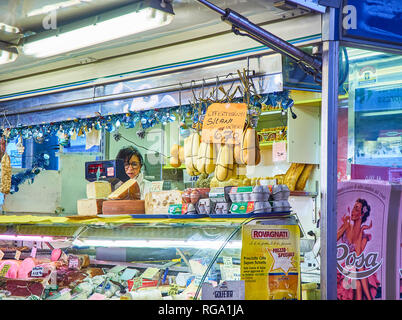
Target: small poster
[
  {"x": 279, "y": 151},
  {"x": 270, "y": 262}
]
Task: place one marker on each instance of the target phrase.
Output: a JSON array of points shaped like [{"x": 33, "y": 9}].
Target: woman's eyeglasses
[{"x": 132, "y": 165}]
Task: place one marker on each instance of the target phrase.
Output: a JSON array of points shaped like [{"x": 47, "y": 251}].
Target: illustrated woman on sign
[{"x": 352, "y": 232}]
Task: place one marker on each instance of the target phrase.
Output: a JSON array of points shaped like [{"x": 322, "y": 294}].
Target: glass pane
[
  {"x": 369, "y": 177},
  {"x": 370, "y": 118}
]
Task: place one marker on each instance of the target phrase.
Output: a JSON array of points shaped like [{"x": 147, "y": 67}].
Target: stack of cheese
[
  {"x": 97, "y": 192},
  {"x": 125, "y": 200}
]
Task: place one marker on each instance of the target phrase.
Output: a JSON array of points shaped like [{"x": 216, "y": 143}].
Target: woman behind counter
[{"x": 133, "y": 163}]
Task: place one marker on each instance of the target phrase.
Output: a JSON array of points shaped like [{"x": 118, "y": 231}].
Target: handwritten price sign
[{"x": 224, "y": 123}]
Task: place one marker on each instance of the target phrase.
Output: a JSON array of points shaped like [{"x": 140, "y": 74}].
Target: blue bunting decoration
[
  {"x": 40, "y": 162},
  {"x": 147, "y": 119}
]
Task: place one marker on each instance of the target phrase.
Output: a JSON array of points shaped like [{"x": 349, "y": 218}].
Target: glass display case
[{"x": 77, "y": 258}]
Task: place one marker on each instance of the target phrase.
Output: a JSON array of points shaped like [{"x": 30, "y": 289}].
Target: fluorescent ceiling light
[
  {"x": 13, "y": 237},
  {"x": 9, "y": 29},
  {"x": 200, "y": 244},
  {"x": 99, "y": 30},
  {"x": 56, "y": 6},
  {"x": 7, "y": 53}
]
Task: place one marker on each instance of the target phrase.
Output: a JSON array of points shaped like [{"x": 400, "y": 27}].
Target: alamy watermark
[{"x": 349, "y": 20}]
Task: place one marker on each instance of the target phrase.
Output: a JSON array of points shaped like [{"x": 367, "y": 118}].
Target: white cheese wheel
[{"x": 98, "y": 190}]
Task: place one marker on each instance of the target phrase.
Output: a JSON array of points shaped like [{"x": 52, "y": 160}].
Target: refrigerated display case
[{"x": 126, "y": 259}]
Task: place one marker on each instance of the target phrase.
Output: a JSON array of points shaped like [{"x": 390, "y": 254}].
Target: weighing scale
[{"x": 108, "y": 170}]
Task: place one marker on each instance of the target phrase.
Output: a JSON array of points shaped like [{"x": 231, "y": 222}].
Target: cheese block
[
  {"x": 89, "y": 207},
  {"x": 159, "y": 202},
  {"x": 98, "y": 190},
  {"x": 129, "y": 190},
  {"x": 123, "y": 207}
]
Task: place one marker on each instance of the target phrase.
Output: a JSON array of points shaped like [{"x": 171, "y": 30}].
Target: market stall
[{"x": 237, "y": 150}]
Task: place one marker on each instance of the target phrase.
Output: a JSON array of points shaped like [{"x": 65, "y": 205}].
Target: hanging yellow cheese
[
  {"x": 250, "y": 148},
  {"x": 224, "y": 163},
  {"x": 191, "y": 146},
  {"x": 206, "y": 158},
  {"x": 175, "y": 162},
  {"x": 174, "y": 151},
  {"x": 5, "y": 174}
]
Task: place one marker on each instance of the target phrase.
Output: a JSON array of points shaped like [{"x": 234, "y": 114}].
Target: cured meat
[
  {"x": 25, "y": 288},
  {"x": 56, "y": 254},
  {"x": 25, "y": 268},
  {"x": 12, "y": 273}
]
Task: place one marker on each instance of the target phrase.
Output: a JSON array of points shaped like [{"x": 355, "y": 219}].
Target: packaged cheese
[
  {"x": 98, "y": 190},
  {"x": 89, "y": 207},
  {"x": 159, "y": 202},
  {"x": 129, "y": 190}
]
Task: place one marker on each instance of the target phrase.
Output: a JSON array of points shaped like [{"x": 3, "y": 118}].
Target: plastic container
[
  {"x": 262, "y": 207},
  {"x": 280, "y": 205},
  {"x": 245, "y": 194},
  {"x": 280, "y": 192},
  {"x": 221, "y": 208}
]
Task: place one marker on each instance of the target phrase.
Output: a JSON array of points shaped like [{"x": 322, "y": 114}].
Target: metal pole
[
  {"x": 328, "y": 168},
  {"x": 265, "y": 37}
]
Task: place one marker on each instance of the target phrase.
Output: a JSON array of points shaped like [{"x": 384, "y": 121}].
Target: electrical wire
[{"x": 156, "y": 152}]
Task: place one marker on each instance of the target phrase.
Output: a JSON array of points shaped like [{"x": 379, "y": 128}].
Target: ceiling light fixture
[
  {"x": 122, "y": 22},
  {"x": 56, "y": 6},
  {"x": 7, "y": 53},
  {"x": 14, "y": 237}
]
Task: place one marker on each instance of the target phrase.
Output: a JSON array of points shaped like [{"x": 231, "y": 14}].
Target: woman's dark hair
[
  {"x": 126, "y": 153},
  {"x": 365, "y": 209}
]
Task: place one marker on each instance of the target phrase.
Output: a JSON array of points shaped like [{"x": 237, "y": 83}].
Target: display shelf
[
  {"x": 269, "y": 143},
  {"x": 303, "y": 194},
  {"x": 118, "y": 219},
  {"x": 169, "y": 167},
  {"x": 270, "y": 113},
  {"x": 134, "y": 264}
]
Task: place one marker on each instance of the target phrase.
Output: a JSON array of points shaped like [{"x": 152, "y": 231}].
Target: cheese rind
[
  {"x": 159, "y": 202},
  {"x": 89, "y": 207},
  {"x": 98, "y": 190}
]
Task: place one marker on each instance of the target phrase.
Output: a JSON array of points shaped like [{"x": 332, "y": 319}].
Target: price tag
[
  {"x": 227, "y": 261},
  {"x": 33, "y": 252},
  {"x": 173, "y": 290},
  {"x": 224, "y": 123},
  {"x": 73, "y": 263},
  {"x": 1, "y": 254},
  {"x": 37, "y": 272},
  {"x": 149, "y": 273},
  {"x": 17, "y": 254},
  {"x": 156, "y": 186},
  {"x": 134, "y": 284},
  {"x": 4, "y": 270}
]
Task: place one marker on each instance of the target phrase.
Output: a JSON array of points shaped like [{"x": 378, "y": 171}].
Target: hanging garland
[{"x": 147, "y": 119}]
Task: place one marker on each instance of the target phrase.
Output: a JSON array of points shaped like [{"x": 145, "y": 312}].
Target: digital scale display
[{"x": 105, "y": 170}]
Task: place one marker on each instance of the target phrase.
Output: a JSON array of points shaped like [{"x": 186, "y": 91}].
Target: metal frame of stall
[{"x": 328, "y": 160}]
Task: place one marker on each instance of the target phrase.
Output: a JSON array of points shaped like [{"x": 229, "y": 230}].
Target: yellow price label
[
  {"x": 4, "y": 270},
  {"x": 173, "y": 290}
]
